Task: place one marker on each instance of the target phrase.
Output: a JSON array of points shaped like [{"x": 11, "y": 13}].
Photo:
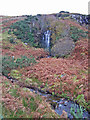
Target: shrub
[
  {"x": 11, "y": 40},
  {"x": 57, "y": 28},
  {"x": 8, "y": 63},
  {"x": 24, "y": 61},
  {"x": 74, "y": 37},
  {"x": 64, "y": 15},
  {"x": 76, "y": 33},
  {"x": 22, "y": 30},
  {"x": 9, "y": 32}
]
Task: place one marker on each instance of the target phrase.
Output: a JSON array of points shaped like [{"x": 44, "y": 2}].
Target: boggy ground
[{"x": 65, "y": 77}]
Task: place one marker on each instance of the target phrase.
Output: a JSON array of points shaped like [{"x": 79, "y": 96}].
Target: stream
[{"x": 58, "y": 104}]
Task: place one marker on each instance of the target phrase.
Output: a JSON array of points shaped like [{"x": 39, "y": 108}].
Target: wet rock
[
  {"x": 53, "y": 105},
  {"x": 61, "y": 102},
  {"x": 62, "y": 98},
  {"x": 60, "y": 105},
  {"x": 70, "y": 116},
  {"x": 25, "y": 43},
  {"x": 65, "y": 103},
  {"x": 54, "y": 100}
]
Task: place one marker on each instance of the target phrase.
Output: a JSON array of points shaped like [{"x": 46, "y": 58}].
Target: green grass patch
[
  {"x": 12, "y": 114},
  {"x": 38, "y": 98},
  {"x": 30, "y": 103},
  {"x": 13, "y": 92},
  {"x": 35, "y": 80},
  {"x": 15, "y": 74}
]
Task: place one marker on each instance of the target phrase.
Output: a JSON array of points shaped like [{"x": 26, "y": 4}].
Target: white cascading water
[{"x": 46, "y": 39}]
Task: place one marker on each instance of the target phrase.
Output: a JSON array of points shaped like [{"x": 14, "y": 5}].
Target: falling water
[{"x": 46, "y": 40}]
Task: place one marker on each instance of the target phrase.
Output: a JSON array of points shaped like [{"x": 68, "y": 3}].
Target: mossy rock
[{"x": 15, "y": 74}]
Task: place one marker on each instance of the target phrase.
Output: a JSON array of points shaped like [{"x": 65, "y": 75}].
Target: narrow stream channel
[{"x": 59, "y": 104}]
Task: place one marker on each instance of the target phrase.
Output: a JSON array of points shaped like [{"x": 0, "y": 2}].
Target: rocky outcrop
[{"x": 82, "y": 19}]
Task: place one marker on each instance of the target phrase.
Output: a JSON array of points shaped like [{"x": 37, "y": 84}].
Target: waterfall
[{"x": 46, "y": 40}]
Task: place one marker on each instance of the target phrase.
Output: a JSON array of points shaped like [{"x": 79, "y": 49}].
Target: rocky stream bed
[{"x": 60, "y": 105}]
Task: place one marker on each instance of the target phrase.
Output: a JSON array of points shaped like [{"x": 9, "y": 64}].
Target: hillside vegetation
[{"x": 64, "y": 74}]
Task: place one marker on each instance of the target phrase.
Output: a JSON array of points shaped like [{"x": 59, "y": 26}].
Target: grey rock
[{"x": 65, "y": 103}]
